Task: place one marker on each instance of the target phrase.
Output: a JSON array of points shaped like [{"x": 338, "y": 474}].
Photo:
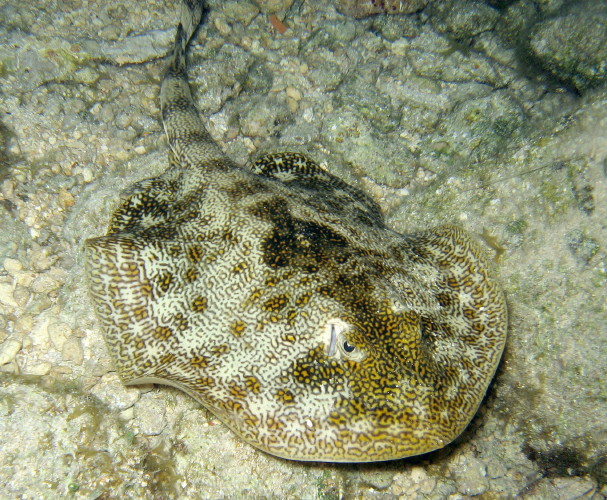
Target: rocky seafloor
[{"x": 492, "y": 116}]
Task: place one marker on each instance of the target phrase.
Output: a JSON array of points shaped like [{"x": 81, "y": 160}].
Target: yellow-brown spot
[
  {"x": 274, "y": 424},
  {"x": 305, "y": 281},
  {"x": 233, "y": 405},
  {"x": 140, "y": 313},
  {"x": 127, "y": 337},
  {"x": 288, "y": 337},
  {"x": 470, "y": 313},
  {"x": 220, "y": 349},
  {"x": 285, "y": 397},
  {"x": 337, "y": 419},
  {"x": 145, "y": 289},
  {"x": 303, "y": 299},
  {"x": 194, "y": 253},
  {"x": 191, "y": 274},
  {"x": 229, "y": 237},
  {"x": 205, "y": 382},
  {"x": 453, "y": 282},
  {"x": 164, "y": 281},
  {"x": 252, "y": 384},
  {"x": 237, "y": 328},
  {"x": 255, "y": 294},
  {"x": 272, "y": 281},
  {"x": 181, "y": 322},
  {"x": 259, "y": 326},
  {"x": 204, "y": 221},
  {"x": 240, "y": 267},
  {"x": 129, "y": 270},
  {"x": 199, "y": 361},
  {"x": 199, "y": 304},
  {"x": 162, "y": 333},
  {"x": 237, "y": 392},
  {"x": 302, "y": 375},
  {"x": 251, "y": 421},
  {"x": 166, "y": 359},
  {"x": 291, "y": 316},
  {"x": 275, "y": 303},
  {"x": 175, "y": 251}
]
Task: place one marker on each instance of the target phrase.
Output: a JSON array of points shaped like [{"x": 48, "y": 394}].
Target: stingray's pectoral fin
[
  {"x": 469, "y": 306},
  {"x": 122, "y": 296},
  {"x": 318, "y": 186}
]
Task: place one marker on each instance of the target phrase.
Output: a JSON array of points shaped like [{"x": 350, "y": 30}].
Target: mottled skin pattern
[{"x": 277, "y": 297}]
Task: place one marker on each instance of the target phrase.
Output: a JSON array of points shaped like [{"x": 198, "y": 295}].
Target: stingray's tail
[
  {"x": 191, "y": 13},
  {"x": 192, "y": 146}
]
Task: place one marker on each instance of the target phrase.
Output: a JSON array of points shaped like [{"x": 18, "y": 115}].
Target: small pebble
[
  {"x": 292, "y": 104},
  {"x": 59, "y": 371},
  {"x": 294, "y": 93},
  {"x": 127, "y": 414},
  {"x": 41, "y": 260},
  {"x": 24, "y": 278},
  {"x": 24, "y": 324},
  {"x": 39, "y": 369},
  {"x": 38, "y": 336},
  {"x": 72, "y": 351},
  {"x": 360, "y": 9},
  {"x": 240, "y": 10},
  {"x": 6, "y": 295},
  {"x": 8, "y": 350},
  {"x": 8, "y": 189},
  {"x": 66, "y": 199},
  {"x": 12, "y": 266},
  {"x": 471, "y": 474},
  {"x": 44, "y": 284},
  {"x": 87, "y": 175},
  {"x": 222, "y": 26},
  {"x": 378, "y": 479},
  {"x": 150, "y": 415},
  {"x": 271, "y": 6},
  {"x": 59, "y": 333},
  {"x": 21, "y": 295},
  {"x": 111, "y": 392},
  {"x": 574, "y": 487}
]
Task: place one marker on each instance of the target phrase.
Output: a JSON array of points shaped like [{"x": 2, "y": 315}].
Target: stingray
[{"x": 276, "y": 295}]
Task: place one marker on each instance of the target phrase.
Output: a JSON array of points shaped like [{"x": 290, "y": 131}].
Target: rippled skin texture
[{"x": 277, "y": 297}]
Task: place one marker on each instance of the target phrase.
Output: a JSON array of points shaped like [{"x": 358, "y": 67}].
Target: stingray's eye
[
  {"x": 337, "y": 345},
  {"x": 349, "y": 348},
  {"x": 349, "y": 351}
]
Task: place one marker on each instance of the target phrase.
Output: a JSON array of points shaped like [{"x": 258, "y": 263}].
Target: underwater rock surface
[
  {"x": 572, "y": 44},
  {"x": 365, "y": 8}
]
